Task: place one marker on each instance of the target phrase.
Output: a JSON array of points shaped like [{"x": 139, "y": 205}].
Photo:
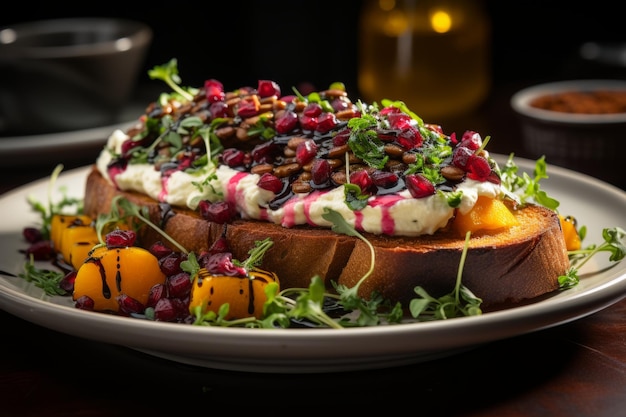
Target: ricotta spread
[{"x": 396, "y": 214}]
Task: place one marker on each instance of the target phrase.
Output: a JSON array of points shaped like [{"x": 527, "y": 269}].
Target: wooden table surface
[{"x": 572, "y": 370}]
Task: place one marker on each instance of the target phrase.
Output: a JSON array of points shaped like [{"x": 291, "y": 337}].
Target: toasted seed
[
  {"x": 286, "y": 170},
  {"x": 262, "y": 169}
]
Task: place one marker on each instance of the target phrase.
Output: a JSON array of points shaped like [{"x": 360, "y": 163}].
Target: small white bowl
[{"x": 589, "y": 143}]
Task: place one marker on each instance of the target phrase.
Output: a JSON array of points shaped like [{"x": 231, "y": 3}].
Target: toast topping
[{"x": 284, "y": 158}]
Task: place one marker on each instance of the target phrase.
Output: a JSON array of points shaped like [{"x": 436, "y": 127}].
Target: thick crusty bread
[{"x": 520, "y": 263}]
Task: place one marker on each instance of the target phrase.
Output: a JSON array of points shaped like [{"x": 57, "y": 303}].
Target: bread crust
[{"x": 501, "y": 268}]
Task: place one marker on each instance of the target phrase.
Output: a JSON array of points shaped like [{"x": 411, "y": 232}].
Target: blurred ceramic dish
[
  {"x": 68, "y": 74},
  {"x": 77, "y": 145},
  {"x": 590, "y": 143}
]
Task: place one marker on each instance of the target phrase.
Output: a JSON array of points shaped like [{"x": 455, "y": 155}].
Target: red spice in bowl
[
  {"x": 577, "y": 124},
  {"x": 583, "y": 102}
]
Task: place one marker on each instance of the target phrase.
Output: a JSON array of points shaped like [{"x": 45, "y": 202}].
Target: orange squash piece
[
  {"x": 111, "y": 272},
  {"x": 487, "y": 214},
  {"x": 244, "y": 295},
  {"x": 572, "y": 238}
]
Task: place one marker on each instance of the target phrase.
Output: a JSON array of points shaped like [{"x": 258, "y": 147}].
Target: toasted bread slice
[{"x": 502, "y": 267}]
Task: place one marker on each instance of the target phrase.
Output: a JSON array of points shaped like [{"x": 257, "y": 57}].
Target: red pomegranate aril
[
  {"x": 265, "y": 152},
  {"x": 419, "y": 186},
  {"x": 320, "y": 171},
  {"x": 471, "y": 140},
  {"x": 40, "y": 251},
  {"x": 157, "y": 292},
  {"x": 120, "y": 238},
  {"x": 342, "y": 137},
  {"x": 233, "y": 157},
  {"x": 67, "y": 282},
  {"x": 214, "y": 90},
  {"x": 270, "y": 182},
  {"x": 179, "y": 285},
  {"x": 219, "y": 109},
  {"x": 219, "y": 212},
  {"x": 326, "y": 122},
  {"x": 268, "y": 88},
  {"x": 165, "y": 310},
  {"x": 248, "y": 106},
  {"x": 308, "y": 122},
  {"x": 306, "y": 151},
  {"x": 160, "y": 250},
  {"x": 170, "y": 264},
  {"x": 312, "y": 110},
  {"x": 84, "y": 303},
  {"x": 478, "y": 168},
  {"x": 460, "y": 156},
  {"x": 287, "y": 122},
  {"x": 363, "y": 180},
  {"x": 129, "y": 305},
  {"x": 32, "y": 234},
  {"x": 220, "y": 245},
  {"x": 222, "y": 264},
  {"x": 384, "y": 179}
]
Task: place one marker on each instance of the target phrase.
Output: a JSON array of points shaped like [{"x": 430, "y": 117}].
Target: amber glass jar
[{"x": 432, "y": 54}]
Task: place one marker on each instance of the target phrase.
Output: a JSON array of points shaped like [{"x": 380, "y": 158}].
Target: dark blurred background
[{"x": 291, "y": 42}]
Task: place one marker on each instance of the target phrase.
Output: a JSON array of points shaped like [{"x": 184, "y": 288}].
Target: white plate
[{"x": 592, "y": 202}]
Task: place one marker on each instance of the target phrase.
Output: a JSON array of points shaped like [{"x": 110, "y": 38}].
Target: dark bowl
[
  {"x": 589, "y": 143},
  {"x": 68, "y": 74}
]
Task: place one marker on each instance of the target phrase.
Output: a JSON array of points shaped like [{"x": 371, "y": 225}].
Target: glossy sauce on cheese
[{"x": 396, "y": 214}]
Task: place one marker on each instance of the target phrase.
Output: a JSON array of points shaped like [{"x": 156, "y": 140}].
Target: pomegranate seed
[
  {"x": 219, "y": 212},
  {"x": 384, "y": 179},
  {"x": 219, "y": 109},
  {"x": 268, "y": 88},
  {"x": 340, "y": 104},
  {"x": 478, "y": 168},
  {"x": 179, "y": 285},
  {"x": 320, "y": 171},
  {"x": 471, "y": 140},
  {"x": 41, "y": 251},
  {"x": 409, "y": 138},
  {"x": 233, "y": 157},
  {"x": 220, "y": 245},
  {"x": 306, "y": 151},
  {"x": 129, "y": 305},
  {"x": 266, "y": 152},
  {"x": 120, "y": 238},
  {"x": 85, "y": 303},
  {"x": 287, "y": 122},
  {"x": 270, "y": 182},
  {"x": 159, "y": 250},
  {"x": 157, "y": 292},
  {"x": 363, "y": 180},
  {"x": 248, "y": 106},
  {"x": 67, "y": 282},
  {"x": 460, "y": 156},
  {"x": 170, "y": 264},
  {"x": 342, "y": 137},
  {"x": 326, "y": 122},
  {"x": 165, "y": 310},
  {"x": 222, "y": 264},
  {"x": 32, "y": 234},
  {"x": 312, "y": 110},
  {"x": 308, "y": 122},
  {"x": 214, "y": 90},
  {"x": 419, "y": 186}
]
